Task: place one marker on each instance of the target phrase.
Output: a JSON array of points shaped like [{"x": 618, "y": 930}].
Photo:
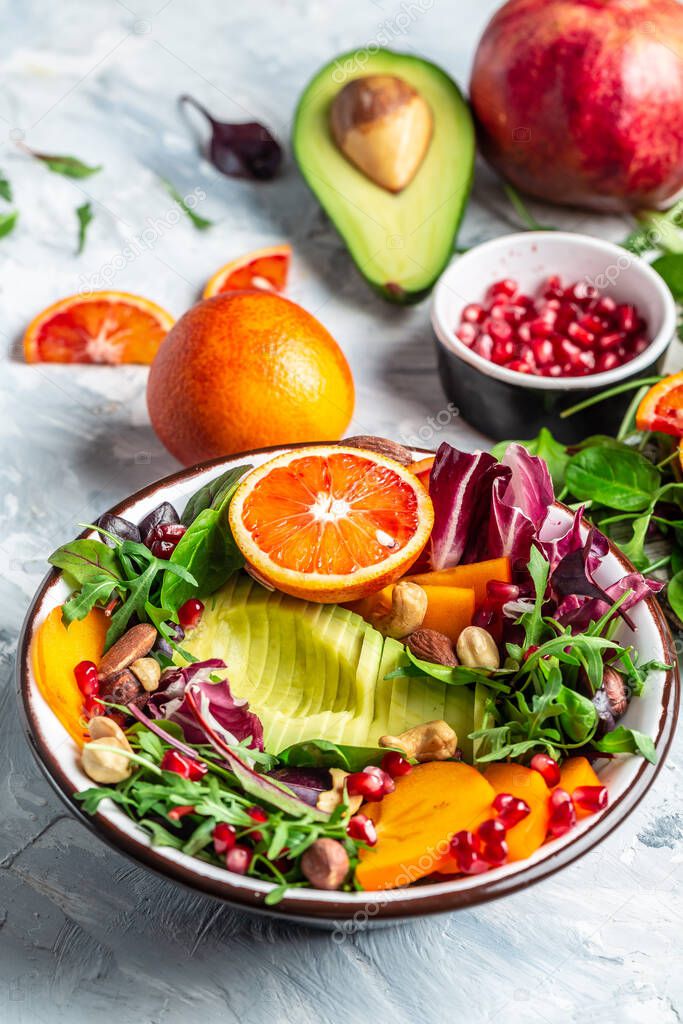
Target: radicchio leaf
[
  {"x": 259, "y": 786},
  {"x": 228, "y": 715},
  {"x": 530, "y": 487},
  {"x": 241, "y": 150},
  {"x": 306, "y": 783},
  {"x": 458, "y": 483}
]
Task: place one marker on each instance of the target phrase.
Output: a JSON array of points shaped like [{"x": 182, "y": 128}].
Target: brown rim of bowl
[{"x": 418, "y": 900}]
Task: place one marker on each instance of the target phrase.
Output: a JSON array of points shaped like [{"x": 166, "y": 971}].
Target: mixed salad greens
[{"x": 167, "y": 740}]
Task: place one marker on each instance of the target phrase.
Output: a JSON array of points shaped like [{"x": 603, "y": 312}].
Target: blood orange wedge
[
  {"x": 330, "y": 523},
  {"x": 102, "y": 327},
  {"x": 262, "y": 268},
  {"x": 662, "y": 407}
]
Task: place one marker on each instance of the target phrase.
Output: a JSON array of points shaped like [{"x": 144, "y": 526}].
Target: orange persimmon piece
[
  {"x": 575, "y": 772},
  {"x": 423, "y": 469},
  {"x": 56, "y": 652},
  {"x": 416, "y": 821},
  {"x": 527, "y": 835},
  {"x": 449, "y": 610},
  {"x": 474, "y": 576}
]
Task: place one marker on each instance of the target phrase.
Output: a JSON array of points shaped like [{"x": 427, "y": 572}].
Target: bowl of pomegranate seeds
[{"x": 530, "y": 324}]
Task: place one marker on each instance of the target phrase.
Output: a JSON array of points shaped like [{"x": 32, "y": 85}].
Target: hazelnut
[{"x": 325, "y": 864}]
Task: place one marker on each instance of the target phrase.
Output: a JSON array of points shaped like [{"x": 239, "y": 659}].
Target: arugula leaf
[
  {"x": 623, "y": 479},
  {"x": 5, "y": 188},
  {"x": 213, "y": 494},
  {"x": 85, "y": 216},
  {"x": 201, "y": 223},
  {"x": 160, "y": 836},
  {"x": 69, "y": 166},
  {"x": 85, "y": 599},
  {"x": 634, "y": 548},
  {"x": 136, "y": 599},
  {"x": 459, "y": 675},
  {"x": 8, "y": 222},
  {"x": 627, "y": 741},
  {"x": 532, "y": 622}
]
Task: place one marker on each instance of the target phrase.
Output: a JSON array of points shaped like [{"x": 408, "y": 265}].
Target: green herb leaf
[
  {"x": 276, "y": 894},
  {"x": 213, "y": 494},
  {"x": 325, "y": 754},
  {"x": 634, "y": 549},
  {"x": 86, "y": 560},
  {"x": 532, "y": 622},
  {"x": 580, "y": 716},
  {"x": 69, "y": 166},
  {"x": 674, "y": 594},
  {"x": 85, "y": 216},
  {"x": 5, "y": 188},
  {"x": 622, "y": 479},
  {"x": 201, "y": 223},
  {"x": 670, "y": 267},
  {"x": 8, "y": 222},
  {"x": 627, "y": 741}
]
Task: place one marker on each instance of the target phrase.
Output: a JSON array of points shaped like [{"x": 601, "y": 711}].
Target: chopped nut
[
  {"x": 476, "y": 648},
  {"x": 102, "y": 763},
  {"x": 381, "y": 445},
  {"x": 148, "y": 672},
  {"x": 135, "y": 643},
  {"x": 430, "y": 645},
  {"x": 325, "y": 864},
  {"x": 330, "y": 799},
  {"x": 431, "y": 741},
  {"x": 408, "y": 609},
  {"x": 121, "y": 689},
  {"x": 100, "y": 727}
]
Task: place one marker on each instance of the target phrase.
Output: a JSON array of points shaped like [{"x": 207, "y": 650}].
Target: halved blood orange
[
  {"x": 262, "y": 268},
  {"x": 102, "y": 327},
  {"x": 662, "y": 407},
  {"x": 329, "y": 523}
]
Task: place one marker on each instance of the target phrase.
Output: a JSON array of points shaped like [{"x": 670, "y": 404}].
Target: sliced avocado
[
  {"x": 400, "y": 242},
  {"x": 314, "y": 671}
]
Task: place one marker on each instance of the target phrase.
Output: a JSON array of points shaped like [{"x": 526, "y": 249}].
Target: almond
[
  {"x": 429, "y": 645},
  {"x": 135, "y": 643},
  {"x": 121, "y": 688},
  {"x": 381, "y": 445}
]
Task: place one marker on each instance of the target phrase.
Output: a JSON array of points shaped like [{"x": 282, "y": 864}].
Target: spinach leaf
[
  {"x": 208, "y": 551},
  {"x": 674, "y": 594},
  {"x": 580, "y": 716},
  {"x": 621, "y": 478},
  {"x": 213, "y": 494},
  {"x": 670, "y": 267},
  {"x": 627, "y": 741},
  {"x": 325, "y": 754}
]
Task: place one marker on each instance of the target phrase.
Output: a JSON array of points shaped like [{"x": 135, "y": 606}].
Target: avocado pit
[{"x": 384, "y": 127}]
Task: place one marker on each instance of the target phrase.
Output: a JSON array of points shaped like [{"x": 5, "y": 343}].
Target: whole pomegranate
[{"x": 580, "y": 102}]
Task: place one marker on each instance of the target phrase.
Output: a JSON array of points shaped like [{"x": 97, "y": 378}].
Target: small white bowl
[{"x": 502, "y": 402}]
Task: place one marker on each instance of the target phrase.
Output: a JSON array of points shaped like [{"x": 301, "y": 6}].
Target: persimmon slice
[
  {"x": 330, "y": 523},
  {"x": 102, "y": 327},
  {"x": 263, "y": 268},
  {"x": 662, "y": 407}
]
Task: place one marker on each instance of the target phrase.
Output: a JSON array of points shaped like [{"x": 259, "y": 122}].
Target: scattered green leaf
[
  {"x": 201, "y": 223},
  {"x": 85, "y": 216}
]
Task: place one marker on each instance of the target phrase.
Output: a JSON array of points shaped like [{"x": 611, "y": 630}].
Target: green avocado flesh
[
  {"x": 317, "y": 671},
  {"x": 399, "y": 242}
]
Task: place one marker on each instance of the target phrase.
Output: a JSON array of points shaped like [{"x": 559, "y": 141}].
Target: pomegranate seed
[
  {"x": 511, "y": 809},
  {"x": 524, "y": 333},
  {"x": 365, "y": 784},
  {"x": 187, "y": 767},
  {"x": 473, "y": 314},
  {"x": 176, "y": 813},
  {"x": 562, "y": 813},
  {"x": 580, "y": 335},
  {"x": 388, "y": 784},
  {"x": 492, "y": 831},
  {"x": 93, "y": 707},
  {"x": 500, "y": 330},
  {"x": 505, "y": 287},
  {"x": 606, "y": 361},
  {"x": 606, "y": 304},
  {"x": 396, "y": 765},
  {"x": 515, "y": 313},
  {"x": 610, "y": 340},
  {"x": 520, "y": 366},
  {"x": 163, "y": 539},
  {"x": 362, "y": 828},
  {"x": 639, "y": 345},
  {"x": 531, "y": 649},
  {"x": 190, "y": 613},
  {"x": 224, "y": 837},
  {"x": 553, "y": 288},
  {"x": 466, "y": 333},
  {"x": 463, "y": 840},
  {"x": 541, "y": 328},
  {"x": 591, "y": 798},
  {"x": 499, "y": 592},
  {"x": 626, "y": 317},
  {"x": 238, "y": 859},
  {"x": 86, "y": 678},
  {"x": 547, "y": 767},
  {"x": 471, "y": 863},
  {"x": 592, "y": 324},
  {"x": 257, "y": 814},
  {"x": 495, "y": 853},
  {"x": 502, "y": 352},
  {"x": 483, "y": 346}
]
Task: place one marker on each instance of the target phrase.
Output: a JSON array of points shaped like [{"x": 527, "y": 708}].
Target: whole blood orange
[
  {"x": 329, "y": 523},
  {"x": 247, "y": 370}
]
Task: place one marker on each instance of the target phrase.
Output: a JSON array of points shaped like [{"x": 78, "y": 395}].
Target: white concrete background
[{"x": 83, "y": 932}]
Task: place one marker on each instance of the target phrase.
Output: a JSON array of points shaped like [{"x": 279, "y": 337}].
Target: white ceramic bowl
[
  {"x": 628, "y": 778},
  {"x": 505, "y": 403}
]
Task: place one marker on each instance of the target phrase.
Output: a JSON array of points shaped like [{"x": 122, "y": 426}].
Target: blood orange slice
[
  {"x": 662, "y": 407},
  {"x": 264, "y": 268},
  {"x": 102, "y": 327},
  {"x": 330, "y": 523}
]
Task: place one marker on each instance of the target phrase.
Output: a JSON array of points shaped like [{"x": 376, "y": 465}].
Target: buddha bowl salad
[{"x": 346, "y": 669}]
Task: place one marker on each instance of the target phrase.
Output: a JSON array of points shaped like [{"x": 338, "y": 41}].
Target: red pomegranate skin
[{"x": 580, "y": 102}]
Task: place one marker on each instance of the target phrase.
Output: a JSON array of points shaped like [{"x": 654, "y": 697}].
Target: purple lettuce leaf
[
  {"x": 460, "y": 483},
  {"x": 641, "y": 587},
  {"x": 228, "y": 715},
  {"x": 306, "y": 783},
  {"x": 530, "y": 487}
]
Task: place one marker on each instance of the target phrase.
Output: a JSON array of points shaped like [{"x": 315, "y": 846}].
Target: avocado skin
[{"x": 400, "y": 243}]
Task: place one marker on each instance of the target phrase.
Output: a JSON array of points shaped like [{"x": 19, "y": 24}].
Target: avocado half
[{"x": 399, "y": 242}]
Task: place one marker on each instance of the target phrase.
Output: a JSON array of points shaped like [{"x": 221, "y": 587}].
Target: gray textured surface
[{"x": 83, "y": 932}]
